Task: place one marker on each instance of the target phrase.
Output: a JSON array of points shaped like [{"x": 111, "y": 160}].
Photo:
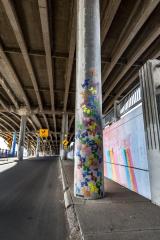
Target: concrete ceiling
[{"x": 37, "y": 57}]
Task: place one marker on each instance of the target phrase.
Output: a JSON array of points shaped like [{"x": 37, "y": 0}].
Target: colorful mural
[
  {"x": 125, "y": 155},
  {"x": 88, "y": 140}
]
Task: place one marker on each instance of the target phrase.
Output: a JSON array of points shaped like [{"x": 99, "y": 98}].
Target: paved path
[
  {"x": 31, "y": 202},
  {"x": 120, "y": 215}
]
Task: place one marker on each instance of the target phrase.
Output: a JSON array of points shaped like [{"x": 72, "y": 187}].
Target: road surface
[{"x": 31, "y": 202}]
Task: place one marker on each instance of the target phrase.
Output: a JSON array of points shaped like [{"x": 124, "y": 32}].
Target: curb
[{"x": 74, "y": 226}]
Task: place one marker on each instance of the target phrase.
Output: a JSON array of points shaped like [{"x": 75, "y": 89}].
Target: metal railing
[
  {"x": 107, "y": 119},
  {"x": 128, "y": 102},
  {"x": 132, "y": 99}
]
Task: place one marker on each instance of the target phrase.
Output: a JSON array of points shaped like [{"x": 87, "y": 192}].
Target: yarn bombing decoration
[{"x": 88, "y": 142}]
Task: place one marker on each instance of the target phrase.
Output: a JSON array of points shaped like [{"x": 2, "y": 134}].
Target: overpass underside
[
  {"x": 38, "y": 60},
  {"x": 64, "y": 65}
]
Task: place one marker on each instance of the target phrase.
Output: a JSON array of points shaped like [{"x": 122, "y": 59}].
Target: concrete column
[
  {"x": 64, "y": 135},
  {"x": 50, "y": 150},
  {"x": 13, "y": 148},
  {"x": 44, "y": 147},
  {"x": 38, "y": 147},
  {"x": 21, "y": 137},
  {"x": 116, "y": 111},
  {"x": 88, "y": 178},
  {"x": 28, "y": 148}
]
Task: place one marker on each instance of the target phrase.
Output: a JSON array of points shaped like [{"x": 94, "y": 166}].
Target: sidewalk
[
  {"x": 120, "y": 215},
  {"x": 13, "y": 159},
  {"x": 7, "y": 160}
]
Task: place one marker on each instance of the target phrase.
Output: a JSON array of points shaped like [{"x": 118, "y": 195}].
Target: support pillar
[
  {"x": 21, "y": 137},
  {"x": 38, "y": 147},
  {"x": 44, "y": 147},
  {"x": 88, "y": 174},
  {"x": 13, "y": 148},
  {"x": 28, "y": 148},
  {"x": 64, "y": 134},
  {"x": 50, "y": 150}
]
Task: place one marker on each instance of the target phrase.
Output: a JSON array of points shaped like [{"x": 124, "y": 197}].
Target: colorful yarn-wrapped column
[{"x": 88, "y": 179}]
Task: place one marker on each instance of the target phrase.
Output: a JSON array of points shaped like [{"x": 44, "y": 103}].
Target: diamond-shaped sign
[
  {"x": 65, "y": 142},
  {"x": 43, "y": 133}
]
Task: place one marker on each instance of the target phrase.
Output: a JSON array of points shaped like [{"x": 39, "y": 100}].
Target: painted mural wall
[{"x": 125, "y": 154}]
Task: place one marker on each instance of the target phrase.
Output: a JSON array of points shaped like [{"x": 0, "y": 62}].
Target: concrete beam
[
  {"x": 70, "y": 62},
  {"x": 39, "y": 53},
  {"x": 10, "y": 119},
  {"x": 71, "y": 136},
  {"x": 15, "y": 78},
  {"x": 8, "y": 90},
  {"x": 12, "y": 16},
  {"x": 32, "y": 111},
  {"x": 3, "y": 127},
  {"x": 71, "y": 122},
  {"x": 13, "y": 74},
  {"x": 7, "y": 123},
  {"x": 43, "y": 10},
  {"x": 153, "y": 34},
  {"x": 32, "y": 123},
  {"x": 4, "y": 105},
  {"x": 13, "y": 19},
  {"x": 130, "y": 81},
  {"x": 136, "y": 22},
  {"x": 5, "y": 134},
  {"x": 154, "y": 55},
  {"x": 108, "y": 16}
]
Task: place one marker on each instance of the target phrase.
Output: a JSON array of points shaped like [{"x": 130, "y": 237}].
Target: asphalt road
[{"x": 31, "y": 202}]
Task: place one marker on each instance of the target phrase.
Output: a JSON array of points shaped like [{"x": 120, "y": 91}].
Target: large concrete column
[
  {"x": 38, "y": 146},
  {"x": 21, "y": 137},
  {"x": 88, "y": 179}
]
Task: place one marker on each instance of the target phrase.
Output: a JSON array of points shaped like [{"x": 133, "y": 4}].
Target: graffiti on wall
[
  {"x": 125, "y": 155},
  {"x": 88, "y": 141}
]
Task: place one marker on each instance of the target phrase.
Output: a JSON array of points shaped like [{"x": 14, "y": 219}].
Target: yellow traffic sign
[
  {"x": 65, "y": 142},
  {"x": 43, "y": 133}
]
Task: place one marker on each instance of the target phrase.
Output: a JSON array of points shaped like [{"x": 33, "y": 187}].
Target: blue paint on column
[{"x": 13, "y": 148}]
